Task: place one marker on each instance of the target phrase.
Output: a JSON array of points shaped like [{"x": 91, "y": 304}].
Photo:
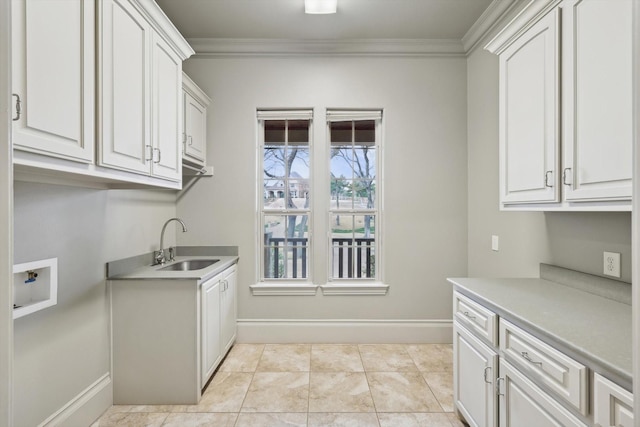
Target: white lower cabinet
[
  {"x": 612, "y": 405},
  {"x": 169, "y": 336},
  {"x": 474, "y": 378},
  {"x": 228, "y": 308},
  {"x": 210, "y": 323},
  {"x": 523, "y": 404},
  {"x": 518, "y": 380}
]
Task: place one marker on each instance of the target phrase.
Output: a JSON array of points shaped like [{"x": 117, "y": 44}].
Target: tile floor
[{"x": 381, "y": 385}]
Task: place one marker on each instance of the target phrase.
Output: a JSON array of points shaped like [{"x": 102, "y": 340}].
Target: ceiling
[{"x": 355, "y": 20}]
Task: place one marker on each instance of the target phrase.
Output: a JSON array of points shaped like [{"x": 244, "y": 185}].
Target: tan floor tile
[
  {"x": 413, "y": 420},
  {"x": 200, "y": 420},
  {"x": 339, "y": 392},
  {"x": 432, "y": 357},
  {"x": 343, "y": 420},
  {"x": 132, "y": 419},
  {"x": 156, "y": 408},
  {"x": 272, "y": 420},
  {"x": 386, "y": 358},
  {"x": 401, "y": 392},
  {"x": 455, "y": 421},
  {"x": 225, "y": 393},
  {"x": 285, "y": 358},
  {"x": 278, "y": 392},
  {"x": 242, "y": 358},
  {"x": 335, "y": 358},
  {"x": 441, "y": 384}
]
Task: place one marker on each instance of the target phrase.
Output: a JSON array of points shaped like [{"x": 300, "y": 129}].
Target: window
[
  {"x": 345, "y": 206},
  {"x": 285, "y": 213},
  {"x": 353, "y": 208}
]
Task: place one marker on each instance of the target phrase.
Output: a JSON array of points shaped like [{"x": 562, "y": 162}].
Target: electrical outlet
[{"x": 612, "y": 264}]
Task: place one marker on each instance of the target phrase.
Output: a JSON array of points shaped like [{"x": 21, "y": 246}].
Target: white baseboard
[
  {"x": 86, "y": 407},
  {"x": 344, "y": 331}
]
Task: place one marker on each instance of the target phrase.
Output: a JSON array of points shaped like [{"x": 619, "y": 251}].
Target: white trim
[
  {"x": 282, "y": 114},
  {"x": 483, "y": 25},
  {"x": 283, "y": 289},
  {"x": 354, "y": 47},
  {"x": 635, "y": 216},
  {"x": 344, "y": 331},
  {"x": 6, "y": 220},
  {"x": 337, "y": 115},
  {"x": 355, "y": 288},
  {"x": 76, "y": 404}
]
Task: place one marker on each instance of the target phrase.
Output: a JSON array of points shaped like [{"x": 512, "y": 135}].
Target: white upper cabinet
[
  {"x": 166, "y": 115},
  {"x": 140, "y": 94},
  {"x": 53, "y": 55},
  {"x": 591, "y": 129},
  {"x": 529, "y": 112},
  {"x": 124, "y": 88},
  {"x": 597, "y": 99},
  {"x": 195, "y": 122}
]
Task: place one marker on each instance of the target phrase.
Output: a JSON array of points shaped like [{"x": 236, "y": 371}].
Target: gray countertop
[
  {"x": 140, "y": 268},
  {"x": 593, "y": 329}
]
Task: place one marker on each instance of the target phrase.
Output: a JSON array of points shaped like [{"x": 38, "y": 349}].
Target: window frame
[
  {"x": 264, "y": 115},
  {"x": 342, "y": 115}
]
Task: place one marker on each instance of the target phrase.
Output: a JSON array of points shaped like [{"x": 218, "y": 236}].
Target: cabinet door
[
  {"x": 473, "y": 378},
  {"x": 228, "y": 307},
  {"x": 612, "y": 405},
  {"x": 597, "y": 99},
  {"x": 124, "y": 117},
  {"x": 210, "y": 324},
  {"x": 53, "y": 56},
  {"x": 195, "y": 128},
  {"x": 167, "y": 111},
  {"x": 523, "y": 404},
  {"x": 529, "y": 131}
]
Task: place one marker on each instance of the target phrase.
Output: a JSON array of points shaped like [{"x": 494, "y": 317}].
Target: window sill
[
  {"x": 370, "y": 288},
  {"x": 280, "y": 289}
]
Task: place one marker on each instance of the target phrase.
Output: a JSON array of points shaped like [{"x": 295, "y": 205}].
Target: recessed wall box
[{"x": 35, "y": 286}]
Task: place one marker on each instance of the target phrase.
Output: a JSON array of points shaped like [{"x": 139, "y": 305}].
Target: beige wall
[
  {"x": 424, "y": 101},
  {"x": 62, "y": 350},
  {"x": 568, "y": 239}
]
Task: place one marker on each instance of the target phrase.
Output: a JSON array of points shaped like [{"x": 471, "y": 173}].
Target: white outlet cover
[{"x": 611, "y": 264}]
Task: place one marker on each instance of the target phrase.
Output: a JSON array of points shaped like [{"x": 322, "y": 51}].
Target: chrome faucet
[{"x": 158, "y": 256}]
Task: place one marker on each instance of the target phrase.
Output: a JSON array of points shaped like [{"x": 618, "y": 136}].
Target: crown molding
[
  {"x": 161, "y": 23},
  {"x": 485, "y": 23},
  {"x": 530, "y": 14},
  {"x": 355, "y": 47}
]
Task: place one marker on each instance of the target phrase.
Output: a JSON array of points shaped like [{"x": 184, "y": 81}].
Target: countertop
[
  {"x": 140, "y": 268},
  {"x": 593, "y": 329}
]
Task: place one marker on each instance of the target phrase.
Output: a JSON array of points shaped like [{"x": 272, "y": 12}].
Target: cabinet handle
[
  {"x": 190, "y": 140},
  {"x": 485, "y": 374},
  {"x": 150, "y": 153},
  {"x": 565, "y": 173},
  {"x": 466, "y": 313},
  {"x": 159, "y": 155},
  {"x": 18, "y": 108},
  {"x": 526, "y": 357},
  {"x": 546, "y": 179},
  {"x": 498, "y": 386}
]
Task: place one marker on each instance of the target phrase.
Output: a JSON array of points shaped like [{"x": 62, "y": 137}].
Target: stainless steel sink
[{"x": 190, "y": 264}]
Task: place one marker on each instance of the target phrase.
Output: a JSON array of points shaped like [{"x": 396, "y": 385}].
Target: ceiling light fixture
[{"x": 320, "y": 6}]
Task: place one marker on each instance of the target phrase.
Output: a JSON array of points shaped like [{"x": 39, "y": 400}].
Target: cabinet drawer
[
  {"x": 613, "y": 405},
  {"x": 480, "y": 320},
  {"x": 546, "y": 365}
]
